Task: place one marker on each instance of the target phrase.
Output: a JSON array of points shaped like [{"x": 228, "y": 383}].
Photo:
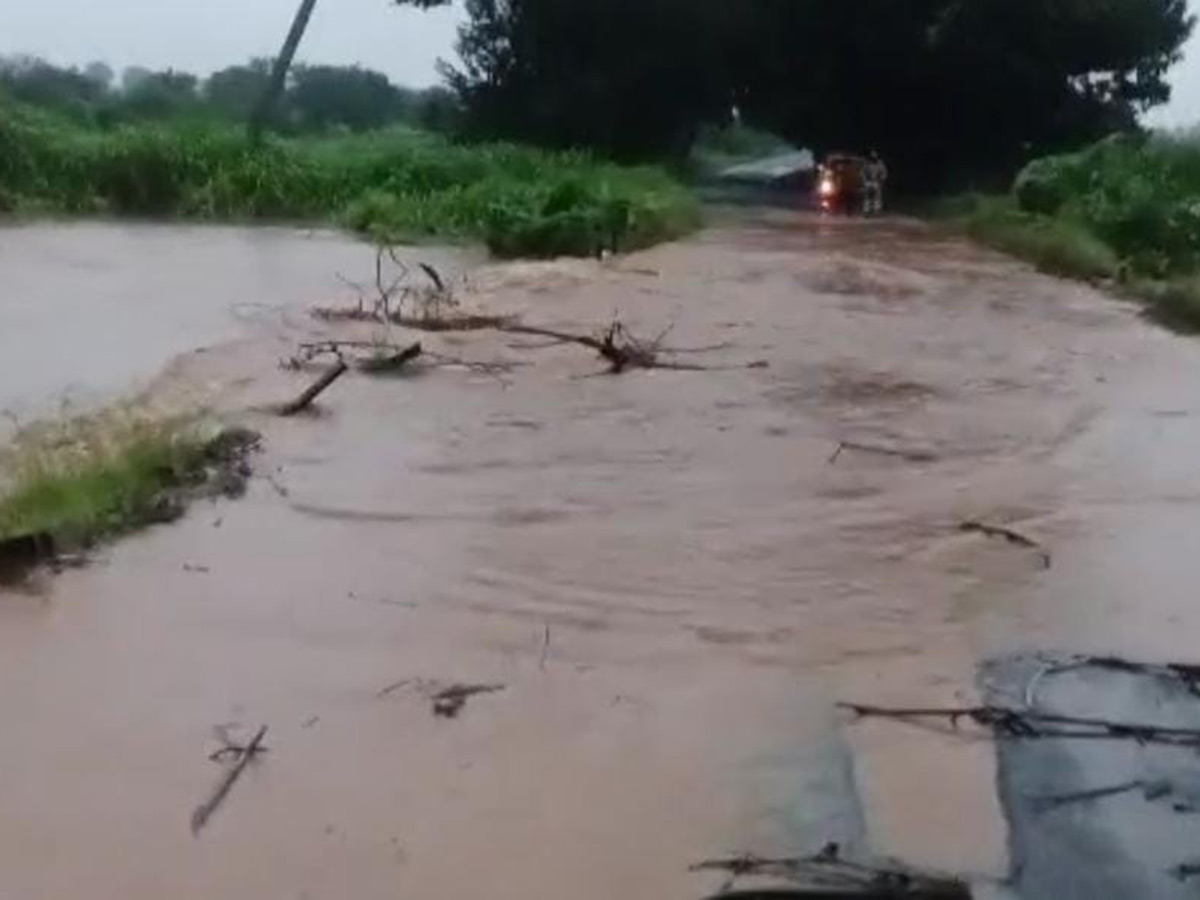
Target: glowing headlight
[{"x": 827, "y": 188}]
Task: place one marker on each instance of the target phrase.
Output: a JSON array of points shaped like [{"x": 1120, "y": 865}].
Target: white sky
[{"x": 202, "y": 35}]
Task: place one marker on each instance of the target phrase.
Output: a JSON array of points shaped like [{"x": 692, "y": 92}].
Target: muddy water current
[{"x": 674, "y": 574}]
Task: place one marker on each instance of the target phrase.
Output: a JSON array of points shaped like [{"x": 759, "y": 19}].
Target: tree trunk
[{"x": 266, "y": 104}]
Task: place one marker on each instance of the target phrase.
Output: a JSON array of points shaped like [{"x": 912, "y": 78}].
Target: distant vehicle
[{"x": 841, "y": 184}]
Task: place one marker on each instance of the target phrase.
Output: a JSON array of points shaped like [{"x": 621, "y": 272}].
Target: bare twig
[
  {"x": 1007, "y": 534},
  {"x": 318, "y": 387},
  {"x": 205, "y": 810},
  {"x": 913, "y": 456},
  {"x": 1055, "y": 801},
  {"x": 393, "y": 687},
  {"x": 434, "y": 276}
]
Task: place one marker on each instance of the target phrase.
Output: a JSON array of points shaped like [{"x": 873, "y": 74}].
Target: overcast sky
[{"x": 202, "y": 35}]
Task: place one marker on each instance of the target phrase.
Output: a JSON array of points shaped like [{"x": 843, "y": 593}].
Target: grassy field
[
  {"x": 1125, "y": 209},
  {"x": 394, "y": 185}
]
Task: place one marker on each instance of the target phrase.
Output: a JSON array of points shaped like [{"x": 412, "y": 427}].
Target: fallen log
[
  {"x": 315, "y": 390},
  {"x": 206, "y": 809}
]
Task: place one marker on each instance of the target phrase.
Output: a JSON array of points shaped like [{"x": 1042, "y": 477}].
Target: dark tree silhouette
[{"x": 951, "y": 90}]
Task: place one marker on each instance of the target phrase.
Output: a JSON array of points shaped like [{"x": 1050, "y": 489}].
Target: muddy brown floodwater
[{"x": 673, "y": 574}]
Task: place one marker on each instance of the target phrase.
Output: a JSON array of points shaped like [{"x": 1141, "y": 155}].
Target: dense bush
[
  {"x": 1127, "y": 207},
  {"x": 1140, "y": 196},
  {"x": 394, "y": 184}
]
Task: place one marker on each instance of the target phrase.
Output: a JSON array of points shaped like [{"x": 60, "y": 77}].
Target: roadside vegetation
[
  {"x": 1126, "y": 209},
  {"x": 70, "y": 484},
  {"x": 394, "y": 185}
]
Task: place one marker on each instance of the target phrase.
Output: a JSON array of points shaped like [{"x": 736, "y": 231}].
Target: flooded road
[{"x": 674, "y": 575}]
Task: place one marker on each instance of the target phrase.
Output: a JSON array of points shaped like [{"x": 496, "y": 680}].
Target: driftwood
[
  {"x": 245, "y": 755},
  {"x": 827, "y": 876},
  {"x": 434, "y": 276},
  {"x": 448, "y": 702},
  {"x": 1008, "y": 534},
  {"x": 1024, "y": 724},
  {"x": 912, "y": 456},
  {"x": 393, "y": 687},
  {"x": 318, "y": 387}
]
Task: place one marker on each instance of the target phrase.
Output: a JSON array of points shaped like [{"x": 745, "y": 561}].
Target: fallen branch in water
[
  {"x": 913, "y": 456},
  {"x": 448, "y": 702},
  {"x": 622, "y": 349},
  {"x": 1007, "y": 534},
  {"x": 317, "y": 388},
  {"x": 246, "y": 755},
  {"x": 545, "y": 649},
  {"x": 1151, "y": 791},
  {"x": 393, "y": 687},
  {"x": 1012, "y": 723},
  {"x": 389, "y": 363},
  {"x": 826, "y": 875}
]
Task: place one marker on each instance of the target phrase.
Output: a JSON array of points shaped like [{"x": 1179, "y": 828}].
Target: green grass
[
  {"x": 1054, "y": 246},
  {"x": 88, "y": 479},
  {"x": 393, "y": 185}
]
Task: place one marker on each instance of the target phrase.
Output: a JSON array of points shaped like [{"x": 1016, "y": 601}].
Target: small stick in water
[{"x": 317, "y": 388}]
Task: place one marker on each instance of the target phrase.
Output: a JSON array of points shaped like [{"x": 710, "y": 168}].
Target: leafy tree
[
  {"x": 350, "y": 96},
  {"x": 159, "y": 94},
  {"x": 133, "y": 76},
  {"x": 948, "y": 89},
  {"x": 631, "y": 77},
  {"x": 236, "y": 90},
  {"x": 34, "y": 80},
  {"x": 101, "y": 74},
  {"x": 438, "y": 109}
]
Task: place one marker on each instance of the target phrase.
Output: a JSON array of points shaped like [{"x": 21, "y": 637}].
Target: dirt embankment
[{"x": 673, "y": 574}]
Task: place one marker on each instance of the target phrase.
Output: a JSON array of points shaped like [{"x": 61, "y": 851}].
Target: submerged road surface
[{"x": 674, "y": 575}]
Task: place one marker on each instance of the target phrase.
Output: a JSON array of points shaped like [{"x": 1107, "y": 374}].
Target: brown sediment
[{"x": 711, "y": 583}]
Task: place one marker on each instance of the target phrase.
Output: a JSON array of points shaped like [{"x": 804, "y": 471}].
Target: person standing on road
[{"x": 876, "y": 175}]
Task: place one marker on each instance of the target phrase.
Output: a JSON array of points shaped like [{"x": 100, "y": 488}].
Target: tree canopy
[{"x": 950, "y": 89}]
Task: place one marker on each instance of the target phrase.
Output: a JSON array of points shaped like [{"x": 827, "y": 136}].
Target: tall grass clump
[
  {"x": 394, "y": 185},
  {"x": 85, "y": 479}
]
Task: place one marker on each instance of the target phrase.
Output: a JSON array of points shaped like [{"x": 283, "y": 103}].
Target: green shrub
[{"x": 1140, "y": 196}]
